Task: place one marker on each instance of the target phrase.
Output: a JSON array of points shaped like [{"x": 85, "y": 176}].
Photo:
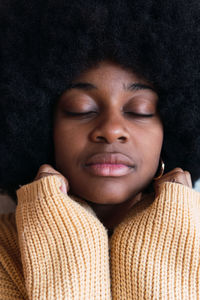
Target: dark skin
[{"x": 108, "y": 138}]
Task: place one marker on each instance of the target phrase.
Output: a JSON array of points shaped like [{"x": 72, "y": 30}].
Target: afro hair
[{"x": 46, "y": 44}]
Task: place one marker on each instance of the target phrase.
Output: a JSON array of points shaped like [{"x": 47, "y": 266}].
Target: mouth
[{"x": 109, "y": 165}]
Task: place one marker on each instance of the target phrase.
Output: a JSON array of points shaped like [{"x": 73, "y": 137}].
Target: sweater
[{"x": 54, "y": 247}]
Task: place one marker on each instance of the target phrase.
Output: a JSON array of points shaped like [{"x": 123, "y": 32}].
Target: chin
[
  {"x": 106, "y": 197},
  {"x": 109, "y": 191}
]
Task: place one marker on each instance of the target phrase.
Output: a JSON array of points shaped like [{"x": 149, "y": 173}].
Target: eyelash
[
  {"x": 73, "y": 114},
  {"x": 139, "y": 115}
]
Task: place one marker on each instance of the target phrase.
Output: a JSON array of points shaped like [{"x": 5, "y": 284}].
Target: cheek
[
  {"x": 151, "y": 147},
  {"x": 68, "y": 144}
]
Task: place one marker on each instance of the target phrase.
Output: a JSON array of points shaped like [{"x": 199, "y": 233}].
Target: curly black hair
[{"x": 45, "y": 44}]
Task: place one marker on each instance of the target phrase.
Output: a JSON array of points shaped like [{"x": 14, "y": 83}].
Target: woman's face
[{"x": 108, "y": 134}]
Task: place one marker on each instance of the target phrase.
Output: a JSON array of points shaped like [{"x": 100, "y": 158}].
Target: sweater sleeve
[
  {"x": 64, "y": 248},
  {"x": 11, "y": 273},
  {"x": 156, "y": 250}
]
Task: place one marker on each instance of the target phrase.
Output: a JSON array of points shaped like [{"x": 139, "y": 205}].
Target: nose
[{"x": 110, "y": 129}]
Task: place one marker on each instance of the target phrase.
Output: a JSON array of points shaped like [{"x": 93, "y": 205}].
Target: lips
[
  {"x": 109, "y": 164},
  {"x": 110, "y": 158}
]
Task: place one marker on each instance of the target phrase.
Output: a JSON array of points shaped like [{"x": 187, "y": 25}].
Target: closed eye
[
  {"x": 79, "y": 114},
  {"x": 133, "y": 114},
  {"x": 91, "y": 113}
]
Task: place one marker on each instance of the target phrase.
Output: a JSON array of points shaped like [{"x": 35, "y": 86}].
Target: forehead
[
  {"x": 109, "y": 71},
  {"x": 110, "y": 76}
]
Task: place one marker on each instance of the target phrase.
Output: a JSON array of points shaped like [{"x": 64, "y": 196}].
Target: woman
[{"x": 107, "y": 96}]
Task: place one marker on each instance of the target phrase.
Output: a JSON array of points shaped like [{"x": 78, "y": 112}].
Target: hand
[
  {"x": 47, "y": 170},
  {"x": 177, "y": 175},
  {"x": 53, "y": 231}
]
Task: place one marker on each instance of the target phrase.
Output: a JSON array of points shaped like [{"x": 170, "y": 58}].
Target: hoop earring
[{"x": 161, "y": 170}]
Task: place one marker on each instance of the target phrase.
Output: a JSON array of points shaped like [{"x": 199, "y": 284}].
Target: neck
[{"x": 112, "y": 214}]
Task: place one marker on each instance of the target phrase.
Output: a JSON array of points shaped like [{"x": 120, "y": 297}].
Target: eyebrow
[
  {"x": 138, "y": 86},
  {"x": 82, "y": 86},
  {"x": 89, "y": 86}
]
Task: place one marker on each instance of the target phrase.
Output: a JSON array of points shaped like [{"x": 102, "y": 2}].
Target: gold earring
[{"x": 161, "y": 170}]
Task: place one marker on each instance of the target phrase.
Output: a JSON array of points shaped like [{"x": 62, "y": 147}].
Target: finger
[
  {"x": 48, "y": 170},
  {"x": 175, "y": 170},
  {"x": 45, "y": 170},
  {"x": 44, "y": 174},
  {"x": 168, "y": 175},
  {"x": 176, "y": 177},
  {"x": 189, "y": 179}
]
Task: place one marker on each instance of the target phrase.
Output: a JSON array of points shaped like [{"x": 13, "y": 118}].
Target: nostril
[
  {"x": 107, "y": 140},
  {"x": 122, "y": 138},
  {"x": 101, "y": 138}
]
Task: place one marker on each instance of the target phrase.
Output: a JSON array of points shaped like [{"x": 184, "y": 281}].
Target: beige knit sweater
[{"x": 58, "y": 249}]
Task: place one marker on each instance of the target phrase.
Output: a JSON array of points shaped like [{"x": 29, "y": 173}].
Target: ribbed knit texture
[
  {"x": 11, "y": 274},
  {"x": 63, "y": 248},
  {"x": 156, "y": 250}
]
